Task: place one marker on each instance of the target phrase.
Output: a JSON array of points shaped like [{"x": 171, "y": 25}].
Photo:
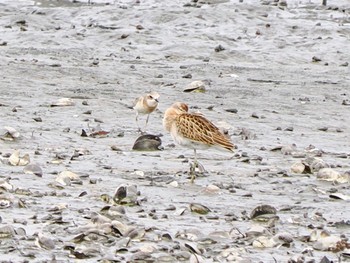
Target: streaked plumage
[
  {"x": 193, "y": 130},
  {"x": 146, "y": 104}
]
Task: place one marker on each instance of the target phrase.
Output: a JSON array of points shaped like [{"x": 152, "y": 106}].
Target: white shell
[
  {"x": 326, "y": 243},
  {"x": 195, "y": 86},
  {"x": 328, "y": 174},
  {"x": 11, "y": 132},
  {"x": 64, "y": 178},
  {"x": 264, "y": 242},
  {"x": 297, "y": 168},
  {"x": 16, "y": 160},
  {"x": 63, "y": 102}
]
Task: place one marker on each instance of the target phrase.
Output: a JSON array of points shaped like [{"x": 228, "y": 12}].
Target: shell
[
  {"x": 263, "y": 211},
  {"x": 288, "y": 149},
  {"x": 44, "y": 242},
  {"x": 189, "y": 234},
  {"x": 193, "y": 247},
  {"x": 298, "y": 168},
  {"x": 318, "y": 164},
  {"x": 21, "y": 191},
  {"x": 120, "y": 227},
  {"x": 199, "y": 209},
  {"x": 63, "y": 102},
  {"x": 257, "y": 230},
  {"x": 264, "y": 242},
  {"x": 120, "y": 193},
  {"x": 126, "y": 195},
  {"x": 113, "y": 212},
  {"x": 315, "y": 164},
  {"x": 148, "y": 142},
  {"x": 6, "y": 186},
  {"x": 174, "y": 184},
  {"x": 195, "y": 86},
  {"x": 147, "y": 248},
  {"x": 21, "y": 231},
  {"x": 7, "y": 231},
  {"x": 11, "y": 134},
  {"x": 16, "y": 160},
  {"x": 318, "y": 234},
  {"x": 283, "y": 238},
  {"x": 5, "y": 202},
  {"x": 66, "y": 177},
  {"x": 345, "y": 254},
  {"x": 83, "y": 252},
  {"x": 136, "y": 234},
  {"x": 340, "y": 196},
  {"x": 234, "y": 254},
  {"x": 329, "y": 174},
  {"x": 326, "y": 243},
  {"x": 21, "y": 203},
  {"x": 33, "y": 169},
  {"x": 105, "y": 198}
]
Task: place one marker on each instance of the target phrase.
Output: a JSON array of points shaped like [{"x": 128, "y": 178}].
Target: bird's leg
[
  {"x": 146, "y": 121},
  {"x": 193, "y": 167},
  {"x": 195, "y": 159},
  {"x": 137, "y": 122}
]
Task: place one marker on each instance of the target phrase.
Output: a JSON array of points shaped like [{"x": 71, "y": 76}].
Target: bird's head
[
  {"x": 152, "y": 99},
  {"x": 180, "y": 107}
]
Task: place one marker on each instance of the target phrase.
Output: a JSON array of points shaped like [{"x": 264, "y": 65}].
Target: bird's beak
[{"x": 156, "y": 100}]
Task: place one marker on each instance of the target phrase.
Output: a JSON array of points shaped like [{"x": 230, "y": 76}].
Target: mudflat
[{"x": 276, "y": 78}]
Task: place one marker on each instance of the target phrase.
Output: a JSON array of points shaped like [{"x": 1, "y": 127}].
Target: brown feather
[{"x": 197, "y": 128}]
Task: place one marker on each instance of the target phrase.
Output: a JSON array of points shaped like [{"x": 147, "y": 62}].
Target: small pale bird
[
  {"x": 194, "y": 131},
  {"x": 146, "y": 104}
]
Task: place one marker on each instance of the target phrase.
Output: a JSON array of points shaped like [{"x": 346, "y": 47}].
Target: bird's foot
[
  {"x": 197, "y": 169},
  {"x": 141, "y": 131}
]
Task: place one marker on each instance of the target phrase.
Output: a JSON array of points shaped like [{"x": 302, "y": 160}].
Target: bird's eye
[{"x": 150, "y": 96}]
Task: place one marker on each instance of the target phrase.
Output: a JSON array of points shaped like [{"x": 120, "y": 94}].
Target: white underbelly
[{"x": 185, "y": 142}]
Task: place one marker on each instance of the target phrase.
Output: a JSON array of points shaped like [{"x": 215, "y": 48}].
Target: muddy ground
[{"x": 276, "y": 75}]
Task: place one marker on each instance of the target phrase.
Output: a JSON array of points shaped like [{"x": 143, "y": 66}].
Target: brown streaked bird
[
  {"x": 145, "y": 104},
  {"x": 194, "y": 131}
]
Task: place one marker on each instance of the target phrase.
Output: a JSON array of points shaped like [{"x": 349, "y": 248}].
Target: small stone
[
  {"x": 339, "y": 130},
  {"x": 116, "y": 148},
  {"x": 93, "y": 181},
  {"x": 37, "y": 119},
  {"x": 254, "y": 115},
  {"x": 139, "y": 27},
  {"x": 232, "y": 110},
  {"x": 187, "y": 76},
  {"x": 345, "y": 103},
  {"x": 316, "y": 59},
  {"x": 219, "y": 48},
  {"x": 323, "y": 129}
]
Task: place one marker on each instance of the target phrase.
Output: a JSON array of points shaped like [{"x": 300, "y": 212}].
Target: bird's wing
[{"x": 197, "y": 128}]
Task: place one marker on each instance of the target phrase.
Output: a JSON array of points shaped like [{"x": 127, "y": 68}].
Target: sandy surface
[{"x": 103, "y": 56}]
